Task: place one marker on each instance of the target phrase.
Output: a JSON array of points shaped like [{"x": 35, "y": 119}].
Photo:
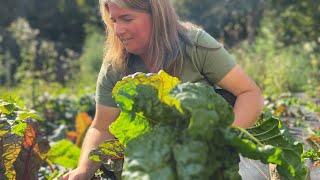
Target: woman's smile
[{"x": 126, "y": 41}]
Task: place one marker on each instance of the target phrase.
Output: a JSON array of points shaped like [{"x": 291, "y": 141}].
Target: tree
[
  {"x": 228, "y": 20},
  {"x": 297, "y": 21}
]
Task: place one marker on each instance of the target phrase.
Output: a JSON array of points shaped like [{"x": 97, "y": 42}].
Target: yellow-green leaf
[
  {"x": 11, "y": 152},
  {"x": 162, "y": 81}
]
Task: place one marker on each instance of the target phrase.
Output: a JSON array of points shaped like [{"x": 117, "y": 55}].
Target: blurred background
[
  {"x": 51, "y": 53},
  {"x": 56, "y": 46}
]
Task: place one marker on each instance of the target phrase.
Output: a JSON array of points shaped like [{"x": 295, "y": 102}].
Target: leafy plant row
[{"x": 25, "y": 152}]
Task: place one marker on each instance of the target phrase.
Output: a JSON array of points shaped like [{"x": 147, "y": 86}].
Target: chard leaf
[
  {"x": 162, "y": 81},
  {"x": 312, "y": 154},
  {"x": 149, "y": 156},
  {"x": 270, "y": 142},
  {"x": 145, "y": 101},
  {"x": 4, "y": 128},
  {"x": 19, "y": 128},
  {"x": 7, "y": 108},
  {"x": 167, "y": 133},
  {"x": 108, "y": 149},
  {"x": 191, "y": 159},
  {"x": 2, "y": 132},
  {"x": 64, "y": 153},
  {"x": 23, "y": 115},
  {"x": 19, "y": 143},
  {"x": 128, "y": 126},
  {"x": 11, "y": 149},
  {"x": 207, "y": 109}
]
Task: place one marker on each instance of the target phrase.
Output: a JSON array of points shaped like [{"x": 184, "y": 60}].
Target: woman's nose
[{"x": 119, "y": 29}]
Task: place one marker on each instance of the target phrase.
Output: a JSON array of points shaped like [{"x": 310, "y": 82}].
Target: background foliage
[
  {"x": 61, "y": 41},
  {"x": 51, "y": 52}
]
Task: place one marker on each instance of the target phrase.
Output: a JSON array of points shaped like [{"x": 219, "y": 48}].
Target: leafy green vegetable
[
  {"x": 27, "y": 115},
  {"x": 19, "y": 128},
  {"x": 271, "y": 131},
  {"x": 11, "y": 148},
  {"x": 113, "y": 148},
  {"x": 133, "y": 95},
  {"x": 64, "y": 153},
  {"x": 20, "y": 142},
  {"x": 183, "y": 131},
  {"x": 203, "y": 106},
  {"x": 163, "y": 82},
  {"x": 191, "y": 157},
  {"x": 149, "y": 155},
  {"x": 312, "y": 154},
  {"x": 7, "y": 108}
]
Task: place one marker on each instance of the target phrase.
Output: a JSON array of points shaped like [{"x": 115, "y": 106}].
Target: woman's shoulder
[
  {"x": 199, "y": 37},
  {"x": 109, "y": 71}
]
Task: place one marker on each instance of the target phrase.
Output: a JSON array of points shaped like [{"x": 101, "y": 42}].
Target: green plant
[
  {"x": 275, "y": 67},
  {"x": 183, "y": 131},
  {"x": 22, "y": 147},
  {"x": 92, "y": 56},
  {"x": 63, "y": 108},
  {"x": 64, "y": 153}
]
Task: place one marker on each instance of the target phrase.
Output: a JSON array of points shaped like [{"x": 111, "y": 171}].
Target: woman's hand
[
  {"x": 75, "y": 174},
  {"x": 95, "y": 135}
]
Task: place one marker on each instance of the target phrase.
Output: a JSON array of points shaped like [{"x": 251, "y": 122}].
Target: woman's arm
[
  {"x": 96, "y": 134},
  {"x": 249, "y": 101}
]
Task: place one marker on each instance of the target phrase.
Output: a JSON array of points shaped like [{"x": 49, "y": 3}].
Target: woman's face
[{"x": 132, "y": 27}]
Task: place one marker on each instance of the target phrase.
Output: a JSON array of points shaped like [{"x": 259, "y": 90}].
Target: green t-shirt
[{"x": 206, "y": 61}]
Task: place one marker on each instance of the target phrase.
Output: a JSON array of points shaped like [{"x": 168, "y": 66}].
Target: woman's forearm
[
  {"x": 93, "y": 138},
  {"x": 247, "y": 108}
]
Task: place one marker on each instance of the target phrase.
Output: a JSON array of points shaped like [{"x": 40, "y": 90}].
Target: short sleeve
[
  {"x": 216, "y": 62},
  {"x": 107, "y": 79}
]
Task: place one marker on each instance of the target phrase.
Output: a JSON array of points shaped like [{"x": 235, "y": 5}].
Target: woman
[{"x": 146, "y": 36}]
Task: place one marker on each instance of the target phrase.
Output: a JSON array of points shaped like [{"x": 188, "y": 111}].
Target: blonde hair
[{"x": 164, "y": 48}]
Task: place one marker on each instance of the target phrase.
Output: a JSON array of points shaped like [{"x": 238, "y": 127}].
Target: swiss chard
[
  {"x": 183, "y": 131},
  {"x": 22, "y": 146}
]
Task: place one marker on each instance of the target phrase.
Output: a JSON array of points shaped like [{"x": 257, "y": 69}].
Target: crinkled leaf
[
  {"x": 142, "y": 100},
  {"x": 198, "y": 113},
  {"x": 108, "y": 149},
  {"x": 206, "y": 108},
  {"x": 191, "y": 159},
  {"x": 162, "y": 81},
  {"x": 127, "y": 127},
  {"x": 149, "y": 155},
  {"x": 155, "y": 111},
  {"x": 11, "y": 149},
  {"x": 32, "y": 155},
  {"x": 19, "y": 148}
]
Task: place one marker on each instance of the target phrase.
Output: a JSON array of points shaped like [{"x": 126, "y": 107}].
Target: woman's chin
[{"x": 132, "y": 51}]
